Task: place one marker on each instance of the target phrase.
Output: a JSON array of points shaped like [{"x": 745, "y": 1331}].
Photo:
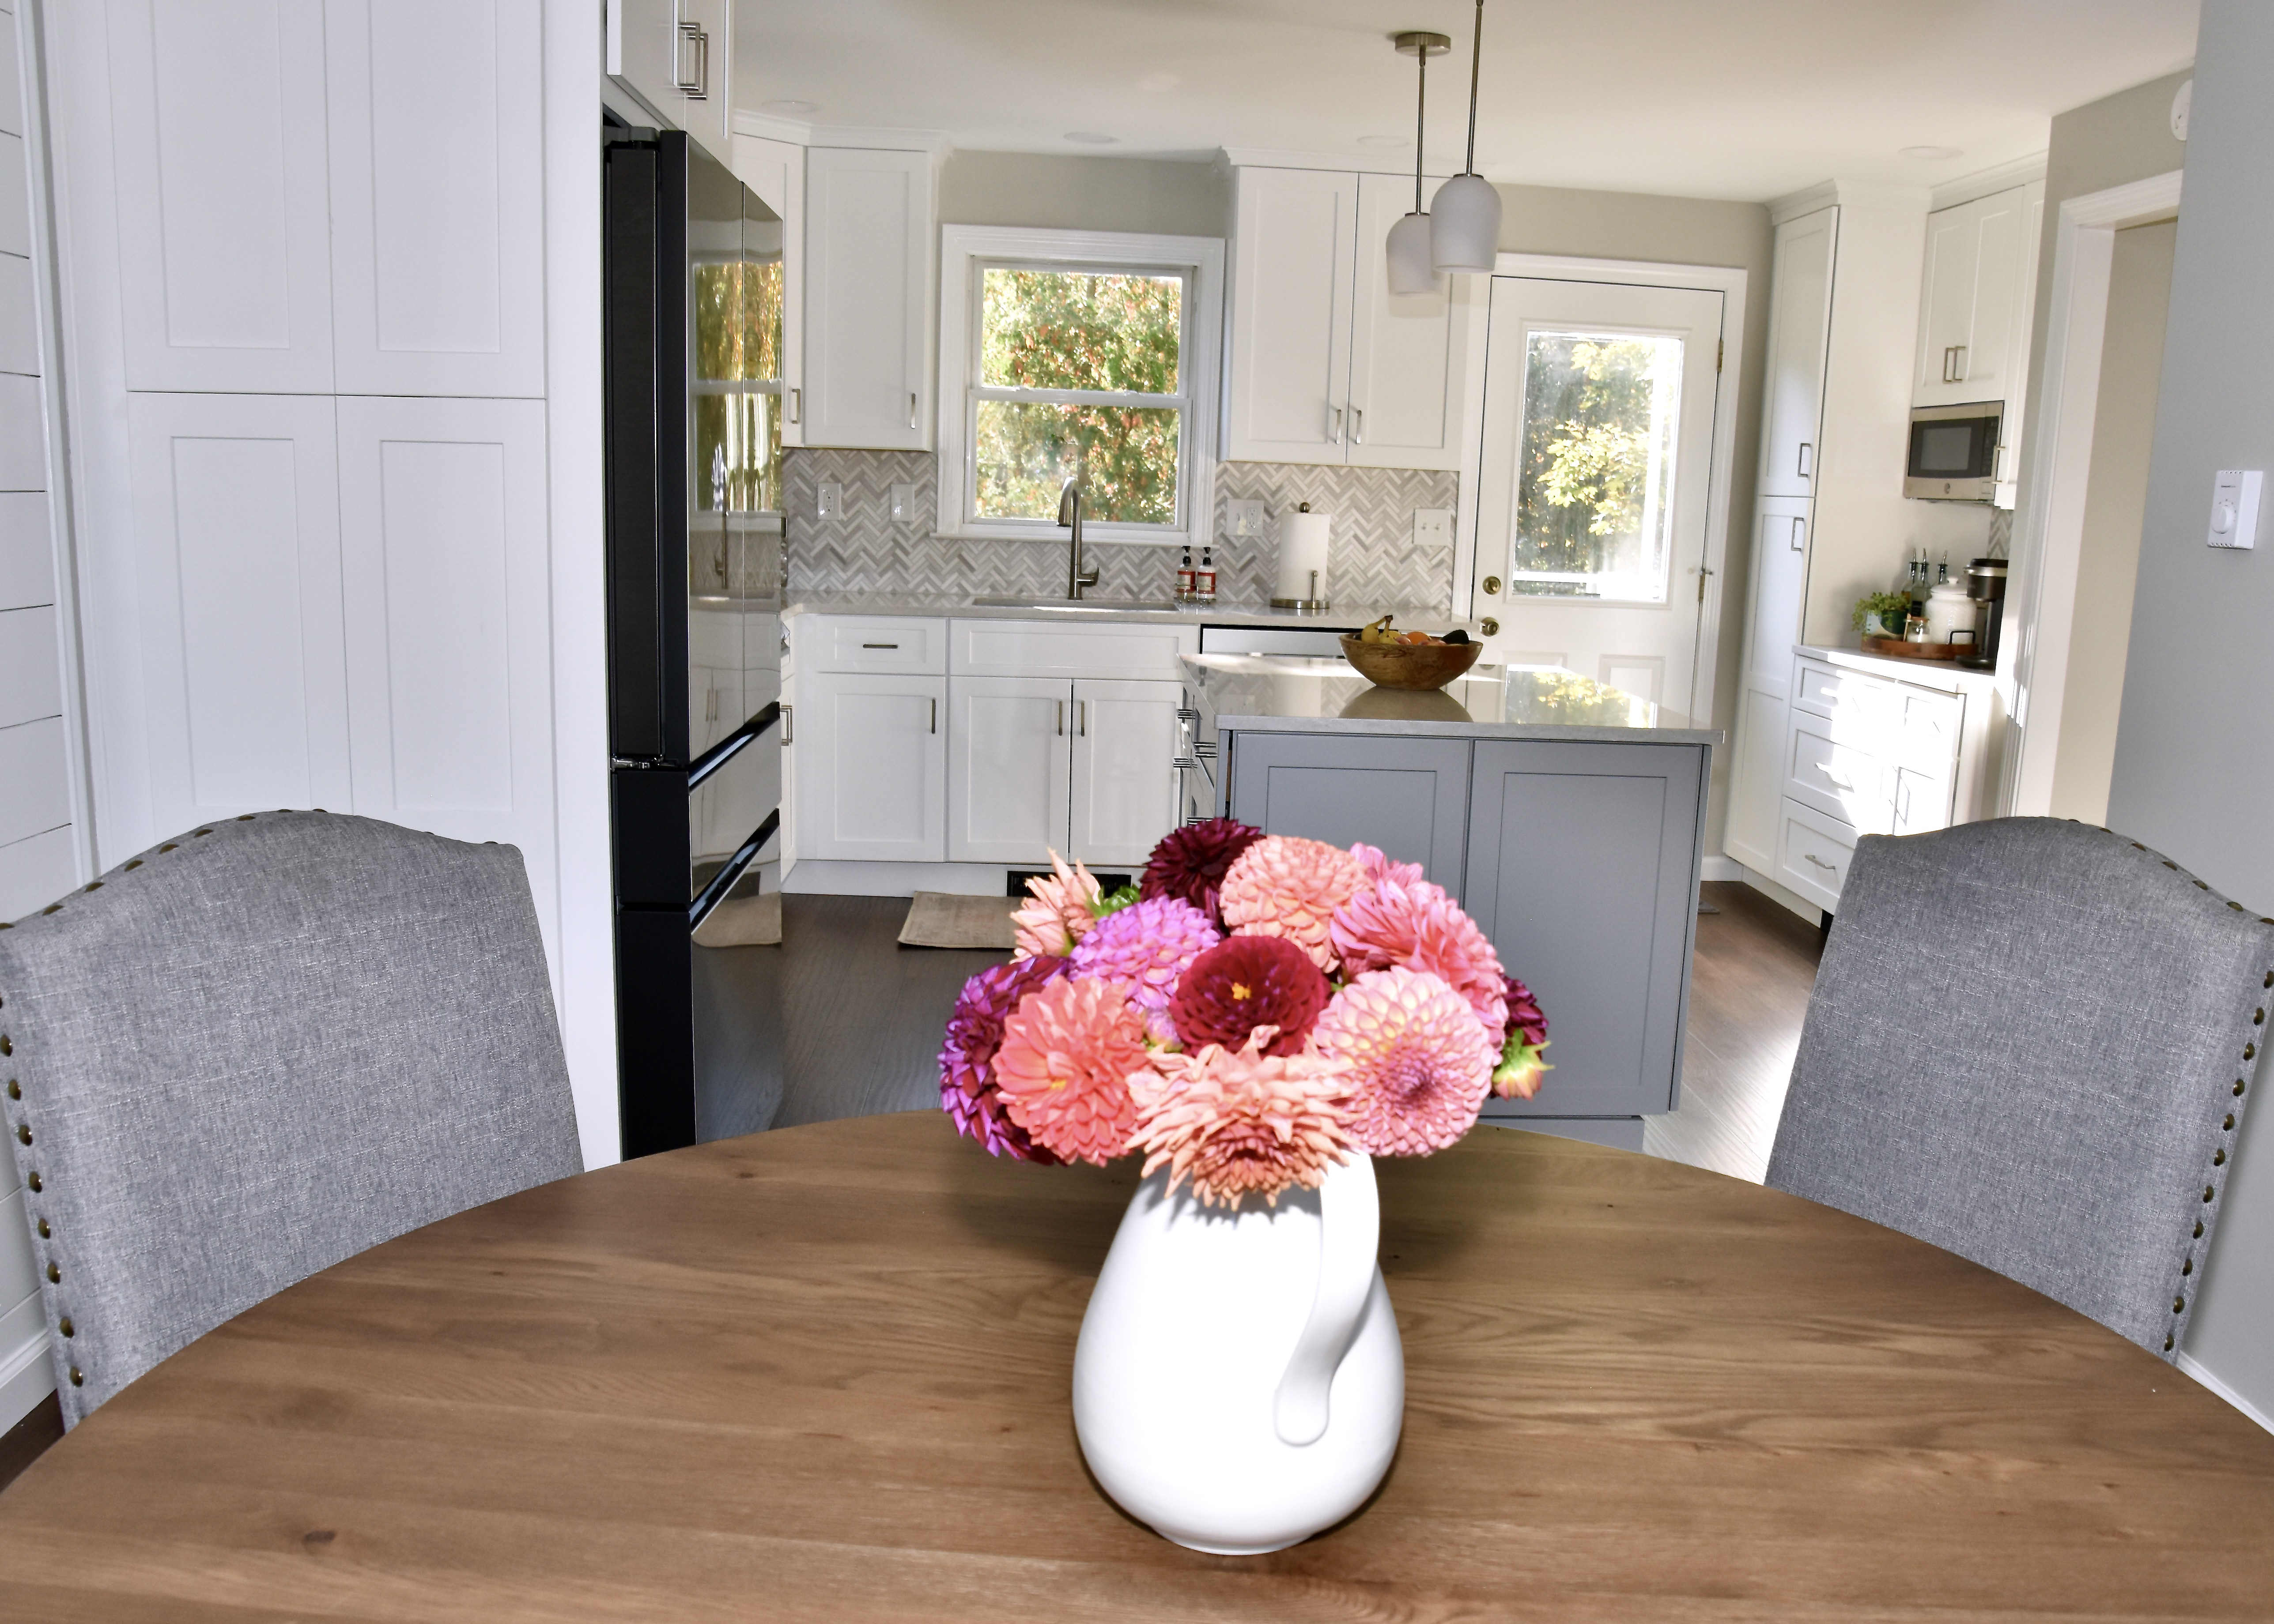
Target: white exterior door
[
  {"x": 1010, "y": 741},
  {"x": 1125, "y": 787},
  {"x": 1592, "y": 501},
  {"x": 1800, "y": 328},
  {"x": 1408, "y": 351},
  {"x": 871, "y": 777},
  {"x": 1292, "y": 265},
  {"x": 867, "y": 300}
]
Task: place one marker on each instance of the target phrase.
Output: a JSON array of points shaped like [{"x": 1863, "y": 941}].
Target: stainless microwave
[{"x": 1954, "y": 452}]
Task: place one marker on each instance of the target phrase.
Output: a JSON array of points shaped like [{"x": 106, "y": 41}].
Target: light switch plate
[
  {"x": 1243, "y": 518},
  {"x": 1432, "y": 527},
  {"x": 2234, "y": 507},
  {"x": 904, "y": 503},
  {"x": 829, "y": 501}
]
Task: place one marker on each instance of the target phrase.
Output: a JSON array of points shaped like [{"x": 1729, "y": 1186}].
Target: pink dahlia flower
[
  {"x": 1378, "y": 866},
  {"x": 1057, "y": 914},
  {"x": 1237, "y": 1121},
  {"x": 1147, "y": 947},
  {"x": 968, "y": 1090},
  {"x": 1285, "y": 886},
  {"x": 1068, "y": 1052},
  {"x": 1190, "y": 862},
  {"x": 1420, "y": 1060},
  {"x": 1244, "y": 983},
  {"x": 1414, "y": 924}
]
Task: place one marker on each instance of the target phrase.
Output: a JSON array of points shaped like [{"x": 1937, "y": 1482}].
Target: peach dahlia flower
[
  {"x": 1286, "y": 886},
  {"x": 1242, "y": 1122}
]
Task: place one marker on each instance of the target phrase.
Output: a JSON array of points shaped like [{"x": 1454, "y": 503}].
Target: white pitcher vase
[{"x": 1239, "y": 1384}]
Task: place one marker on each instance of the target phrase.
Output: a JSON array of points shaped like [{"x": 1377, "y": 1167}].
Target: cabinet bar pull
[
  {"x": 787, "y": 733},
  {"x": 1820, "y": 862},
  {"x": 1800, "y": 535},
  {"x": 1805, "y": 448},
  {"x": 1333, "y": 421},
  {"x": 1958, "y": 363},
  {"x": 796, "y": 404},
  {"x": 1081, "y": 712},
  {"x": 1061, "y": 718},
  {"x": 935, "y": 716},
  {"x": 698, "y": 89},
  {"x": 880, "y": 645},
  {"x": 912, "y": 408},
  {"x": 1358, "y": 425}
]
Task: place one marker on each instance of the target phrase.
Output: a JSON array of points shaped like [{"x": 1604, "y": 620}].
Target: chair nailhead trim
[{"x": 78, "y": 1380}]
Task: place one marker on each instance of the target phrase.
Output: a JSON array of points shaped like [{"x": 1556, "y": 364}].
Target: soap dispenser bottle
[
  {"x": 1204, "y": 578},
  {"x": 1185, "y": 576}
]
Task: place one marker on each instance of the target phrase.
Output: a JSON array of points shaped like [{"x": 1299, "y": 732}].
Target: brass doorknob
[
  {"x": 1491, "y": 627},
  {"x": 1492, "y": 583}
]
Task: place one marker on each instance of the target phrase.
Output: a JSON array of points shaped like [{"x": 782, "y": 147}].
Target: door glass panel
[{"x": 1595, "y": 483}]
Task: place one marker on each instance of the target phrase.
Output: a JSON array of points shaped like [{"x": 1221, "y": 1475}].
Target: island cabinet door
[
  {"x": 1583, "y": 869},
  {"x": 1124, "y": 776},
  {"x": 1008, "y": 739},
  {"x": 872, "y": 765},
  {"x": 1408, "y": 796}
]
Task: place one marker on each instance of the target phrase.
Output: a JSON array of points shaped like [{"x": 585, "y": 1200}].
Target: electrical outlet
[
  {"x": 829, "y": 499},
  {"x": 1432, "y": 527},
  {"x": 904, "y": 504},
  {"x": 1243, "y": 518}
]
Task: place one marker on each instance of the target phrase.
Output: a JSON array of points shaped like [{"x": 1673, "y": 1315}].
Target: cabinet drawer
[
  {"x": 1931, "y": 724},
  {"x": 888, "y": 645},
  {"x": 1922, "y": 802},
  {"x": 1058, "y": 649},
  {"x": 1837, "y": 777},
  {"x": 1813, "y": 853},
  {"x": 1846, "y": 697}
]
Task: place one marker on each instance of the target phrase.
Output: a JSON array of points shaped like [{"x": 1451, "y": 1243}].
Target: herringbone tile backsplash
[{"x": 1371, "y": 557}]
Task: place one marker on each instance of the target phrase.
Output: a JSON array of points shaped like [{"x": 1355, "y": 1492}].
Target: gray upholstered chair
[
  {"x": 256, "y": 1050},
  {"x": 2030, "y": 1043}
]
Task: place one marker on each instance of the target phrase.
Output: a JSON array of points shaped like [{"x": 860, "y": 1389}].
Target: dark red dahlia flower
[
  {"x": 968, "y": 1091},
  {"x": 1243, "y": 983},
  {"x": 1525, "y": 1018},
  {"x": 1189, "y": 864}
]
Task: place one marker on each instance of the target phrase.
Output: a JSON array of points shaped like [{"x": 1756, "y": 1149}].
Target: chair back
[
  {"x": 257, "y": 1049},
  {"x": 2030, "y": 1043}
]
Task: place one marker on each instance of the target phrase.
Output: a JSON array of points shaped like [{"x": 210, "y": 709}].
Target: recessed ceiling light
[
  {"x": 789, "y": 109},
  {"x": 1931, "y": 153},
  {"x": 1381, "y": 140},
  {"x": 1091, "y": 138}
]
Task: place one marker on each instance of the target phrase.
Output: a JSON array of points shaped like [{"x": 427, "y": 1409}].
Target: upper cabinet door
[
  {"x": 643, "y": 53},
  {"x": 776, "y": 171},
  {"x": 218, "y": 114},
  {"x": 868, "y": 299},
  {"x": 1291, "y": 297},
  {"x": 438, "y": 250},
  {"x": 705, "y": 62},
  {"x": 1800, "y": 323},
  {"x": 1974, "y": 311},
  {"x": 1409, "y": 352}
]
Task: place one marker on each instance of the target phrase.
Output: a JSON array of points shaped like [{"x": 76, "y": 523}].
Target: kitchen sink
[{"x": 1066, "y": 605}]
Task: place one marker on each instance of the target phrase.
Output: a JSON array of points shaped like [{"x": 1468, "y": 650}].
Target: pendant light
[
  {"x": 1464, "y": 215},
  {"x": 1410, "y": 267}
]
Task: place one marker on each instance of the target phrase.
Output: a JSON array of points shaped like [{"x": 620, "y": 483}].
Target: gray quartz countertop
[
  {"x": 1281, "y": 693},
  {"x": 965, "y": 607},
  {"x": 1948, "y": 676}
]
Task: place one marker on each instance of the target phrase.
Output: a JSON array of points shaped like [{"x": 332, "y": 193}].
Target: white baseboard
[
  {"x": 1797, "y": 905},
  {"x": 26, "y": 1374},
  {"x": 2187, "y": 1364},
  {"x": 1721, "y": 869}
]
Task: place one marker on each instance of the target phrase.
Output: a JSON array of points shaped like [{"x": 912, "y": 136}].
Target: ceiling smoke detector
[
  {"x": 789, "y": 108},
  {"x": 1093, "y": 138},
  {"x": 1931, "y": 153}
]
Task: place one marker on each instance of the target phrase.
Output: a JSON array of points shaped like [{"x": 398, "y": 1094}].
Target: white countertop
[
  {"x": 962, "y": 608},
  {"x": 1948, "y": 676}
]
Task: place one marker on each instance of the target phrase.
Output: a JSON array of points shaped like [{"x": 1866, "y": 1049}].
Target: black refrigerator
[{"x": 692, "y": 308}]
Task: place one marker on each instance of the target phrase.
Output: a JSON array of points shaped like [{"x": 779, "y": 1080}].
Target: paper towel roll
[{"x": 1302, "y": 549}]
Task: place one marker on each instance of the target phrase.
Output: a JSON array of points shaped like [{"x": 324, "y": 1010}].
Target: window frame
[{"x": 966, "y": 254}]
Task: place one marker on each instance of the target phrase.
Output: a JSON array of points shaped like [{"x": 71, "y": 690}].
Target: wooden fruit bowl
[{"x": 1417, "y": 666}]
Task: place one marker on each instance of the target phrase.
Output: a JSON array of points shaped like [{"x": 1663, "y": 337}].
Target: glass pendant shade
[
  {"x": 1410, "y": 267},
  {"x": 1464, "y": 225}
]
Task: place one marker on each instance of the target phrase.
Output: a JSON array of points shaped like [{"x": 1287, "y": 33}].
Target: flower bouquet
[{"x": 1260, "y": 1015}]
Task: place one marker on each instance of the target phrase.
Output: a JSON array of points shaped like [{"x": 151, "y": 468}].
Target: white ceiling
[{"x": 1745, "y": 99}]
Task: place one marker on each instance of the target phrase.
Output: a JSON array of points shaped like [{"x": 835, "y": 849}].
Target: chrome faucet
[{"x": 1070, "y": 513}]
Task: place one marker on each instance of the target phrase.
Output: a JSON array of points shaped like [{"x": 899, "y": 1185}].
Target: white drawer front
[
  {"x": 1931, "y": 724},
  {"x": 1056, "y": 649},
  {"x": 1813, "y": 853},
  {"x": 1922, "y": 802},
  {"x": 886, "y": 644},
  {"x": 1847, "y": 696},
  {"x": 1838, "y": 777}
]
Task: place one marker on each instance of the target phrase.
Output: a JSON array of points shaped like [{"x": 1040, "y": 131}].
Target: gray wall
[
  {"x": 2194, "y": 772},
  {"x": 1085, "y": 194}
]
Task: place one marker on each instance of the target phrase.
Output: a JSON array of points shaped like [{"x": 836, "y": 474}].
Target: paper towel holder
[{"x": 1313, "y": 605}]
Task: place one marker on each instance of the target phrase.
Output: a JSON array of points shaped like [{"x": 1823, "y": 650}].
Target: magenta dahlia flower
[
  {"x": 1244, "y": 983},
  {"x": 1147, "y": 947},
  {"x": 1521, "y": 1069},
  {"x": 1420, "y": 1060},
  {"x": 968, "y": 1090},
  {"x": 1286, "y": 886},
  {"x": 1190, "y": 862},
  {"x": 1414, "y": 924},
  {"x": 1069, "y": 1050},
  {"x": 1237, "y": 1122}
]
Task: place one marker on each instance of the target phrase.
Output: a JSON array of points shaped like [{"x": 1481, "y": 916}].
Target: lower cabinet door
[
  {"x": 871, "y": 777},
  {"x": 1408, "y": 796},
  {"x": 1583, "y": 870},
  {"x": 1007, "y": 767},
  {"x": 1124, "y": 776}
]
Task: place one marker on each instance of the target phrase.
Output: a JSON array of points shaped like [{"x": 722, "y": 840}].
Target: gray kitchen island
[{"x": 1567, "y": 817}]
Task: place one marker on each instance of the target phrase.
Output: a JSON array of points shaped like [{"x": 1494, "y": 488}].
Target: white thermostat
[{"x": 2234, "y": 507}]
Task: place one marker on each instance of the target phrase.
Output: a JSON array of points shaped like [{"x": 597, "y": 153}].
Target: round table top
[{"x": 825, "y": 1373}]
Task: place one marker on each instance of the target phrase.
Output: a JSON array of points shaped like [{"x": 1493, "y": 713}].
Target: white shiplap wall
[{"x": 43, "y": 844}]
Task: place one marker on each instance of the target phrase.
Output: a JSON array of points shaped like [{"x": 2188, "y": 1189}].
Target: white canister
[{"x": 1949, "y": 609}]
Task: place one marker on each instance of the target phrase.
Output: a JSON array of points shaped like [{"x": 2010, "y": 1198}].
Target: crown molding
[
  {"x": 1345, "y": 163},
  {"x": 1855, "y": 193},
  {"x": 1982, "y": 182},
  {"x": 766, "y": 126}
]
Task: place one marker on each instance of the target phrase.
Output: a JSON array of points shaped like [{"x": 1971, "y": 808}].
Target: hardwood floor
[{"x": 28, "y": 1440}]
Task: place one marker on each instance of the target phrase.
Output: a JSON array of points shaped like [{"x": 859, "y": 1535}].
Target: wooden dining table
[{"x": 824, "y": 1373}]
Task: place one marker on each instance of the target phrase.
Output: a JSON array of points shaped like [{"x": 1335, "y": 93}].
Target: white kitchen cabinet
[
  {"x": 1124, "y": 780},
  {"x": 1010, "y": 746},
  {"x": 676, "y": 57},
  {"x": 1800, "y": 325},
  {"x": 867, "y": 299},
  {"x": 871, "y": 766},
  {"x": 776, "y": 171},
  {"x": 1772, "y": 628},
  {"x": 1326, "y": 365},
  {"x": 1978, "y": 296}
]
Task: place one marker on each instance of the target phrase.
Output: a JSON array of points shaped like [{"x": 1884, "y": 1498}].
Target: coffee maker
[{"x": 1986, "y": 583}]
